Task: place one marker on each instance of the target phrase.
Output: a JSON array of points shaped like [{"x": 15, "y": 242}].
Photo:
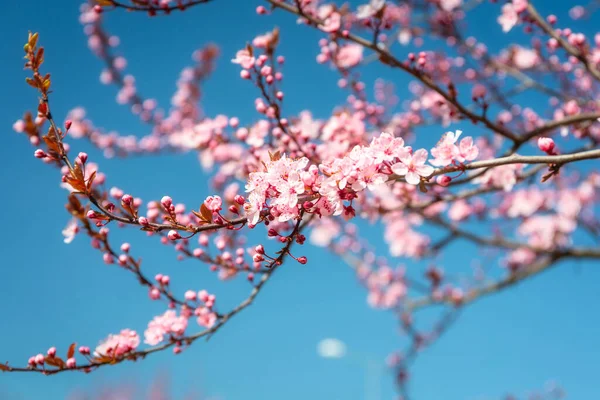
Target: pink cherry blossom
[
  {"x": 413, "y": 167},
  {"x": 244, "y": 58},
  {"x": 349, "y": 55},
  {"x": 368, "y": 10},
  {"x": 118, "y": 345},
  {"x": 509, "y": 17}
]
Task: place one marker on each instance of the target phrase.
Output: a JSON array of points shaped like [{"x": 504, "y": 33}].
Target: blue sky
[{"x": 53, "y": 294}]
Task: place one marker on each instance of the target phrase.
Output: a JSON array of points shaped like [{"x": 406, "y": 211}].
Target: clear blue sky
[{"x": 52, "y": 293}]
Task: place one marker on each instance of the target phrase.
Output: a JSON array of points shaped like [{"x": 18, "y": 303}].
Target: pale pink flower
[
  {"x": 264, "y": 41},
  {"x": 413, "y": 167},
  {"x": 446, "y": 150},
  {"x": 213, "y": 203},
  {"x": 331, "y": 18},
  {"x": 520, "y": 5},
  {"x": 244, "y": 58},
  {"x": 519, "y": 258},
  {"x": 460, "y": 210},
  {"x": 206, "y": 317},
  {"x": 349, "y": 55},
  {"x": 509, "y": 17},
  {"x": 117, "y": 345},
  {"x": 468, "y": 151},
  {"x": 167, "y": 324},
  {"x": 547, "y": 231},
  {"x": 449, "y": 5},
  {"x": 525, "y": 58},
  {"x": 70, "y": 231},
  {"x": 368, "y": 10},
  {"x": 504, "y": 176}
]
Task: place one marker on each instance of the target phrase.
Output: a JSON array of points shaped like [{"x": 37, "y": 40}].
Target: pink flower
[
  {"x": 460, "y": 210},
  {"x": 263, "y": 41},
  {"x": 368, "y": 10},
  {"x": 504, "y": 176},
  {"x": 468, "y": 151},
  {"x": 525, "y": 58},
  {"x": 117, "y": 345},
  {"x": 349, "y": 55},
  {"x": 449, "y": 5},
  {"x": 244, "y": 58},
  {"x": 520, "y": 5},
  {"x": 167, "y": 324},
  {"x": 509, "y": 17},
  {"x": 213, "y": 203},
  {"x": 70, "y": 231},
  {"x": 413, "y": 167},
  {"x": 572, "y": 108},
  {"x": 206, "y": 318},
  {"x": 331, "y": 18},
  {"x": 446, "y": 150}
]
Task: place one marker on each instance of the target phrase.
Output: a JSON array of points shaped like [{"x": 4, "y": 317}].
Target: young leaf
[{"x": 71, "y": 351}]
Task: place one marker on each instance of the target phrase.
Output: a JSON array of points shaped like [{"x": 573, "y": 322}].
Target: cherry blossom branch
[
  {"x": 575, "y": 119},
  {"x": 572, "y": 50},
  {"x": 388, "y": 59},
  {"x": 272, "y": 266},
  {"x": 558, "y": 160}
]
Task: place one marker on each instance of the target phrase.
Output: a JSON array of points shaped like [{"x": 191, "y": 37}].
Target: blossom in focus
[{"x": 117, "y": 345}]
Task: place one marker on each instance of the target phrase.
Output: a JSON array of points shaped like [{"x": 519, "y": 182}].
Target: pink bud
[
  {"x": 91, "y": 214},
  {"x": 108, "y": 258},
  {"x": 443, "y": 180},
  {"x": 173, "y": 235},
  {"x": 176, "y": 350},
  {"x": 143, "y": 221},
  {"x": 250, "y": 276},
  {"x": 39, "y": 153},
  {"x": 127, "y": 199},
  {"x": 258, "y": 258},
  {"x": 261, "y": 10},
  {"x": 154, "y": 293},
  {"x": 203, "y": 296},
  {"x": 52, "y": 351},
  {"x": 71, "y": 363},
  {"x": 39, "y": 359},
  {"x": 245, "y": 74},
  {"x": 31, "y": 361},
  {"x": 546, "y": 144},
  {"x": 260, "y": 249},
  {"x": 272, "y": 232},
  {"x": 165, "y": 280},
  {"x": 82, "y": 157},
  {"x": 68, "y": 124},
  {"x": 302, "y": 260},
  {"x": 190, "y": 295},
  {"x": 239, "y": 199},
  {"x": 125, "y": 247},
  {"x": 84, "y": 350},
  {"x": 166, "y": 202}
]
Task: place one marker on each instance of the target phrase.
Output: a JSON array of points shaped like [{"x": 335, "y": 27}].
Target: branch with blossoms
[
  {"x": 520, "y": 191},
  {"x": 121, "y": 347}
]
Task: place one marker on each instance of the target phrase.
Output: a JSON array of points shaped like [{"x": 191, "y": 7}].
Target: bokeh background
[{"x": 53, "y": 294}]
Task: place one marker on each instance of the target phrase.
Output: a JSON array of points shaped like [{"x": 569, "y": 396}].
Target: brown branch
[
  {"x": 389, "y": 59},
  {"x": 572, "y": 50},
  {"x": 272, "y": 266}
]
